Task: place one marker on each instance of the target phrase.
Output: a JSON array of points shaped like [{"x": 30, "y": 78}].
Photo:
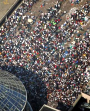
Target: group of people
[
  {"x": 75, "y": 1},
  {"x": 40, "y": 56}
]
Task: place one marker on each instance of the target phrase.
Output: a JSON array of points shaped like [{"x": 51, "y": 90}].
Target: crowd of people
[
  {"x": 75, "y": 1},
  {"x": 39, "y": 57}
]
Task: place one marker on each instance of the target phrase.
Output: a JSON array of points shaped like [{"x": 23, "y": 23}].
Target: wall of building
[
  {"x": 86, "y": 97},
  {"x": 13, "y": 7}
]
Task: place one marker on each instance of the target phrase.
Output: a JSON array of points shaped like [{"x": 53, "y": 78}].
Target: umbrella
[
  {"x": 84, "y": 55},
  {"x": 86, "y": 18},
  {"x": 76, "y": 62},
  {"x": 30, "y": 20},
  {"x": 54, "y": 23},
  {"x": 66, "y": 52}
]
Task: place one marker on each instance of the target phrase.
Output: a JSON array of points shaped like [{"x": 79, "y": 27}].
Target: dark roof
[{"x": 81, "y": 105}]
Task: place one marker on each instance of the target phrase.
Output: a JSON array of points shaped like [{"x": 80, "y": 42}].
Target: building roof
[
  {"x": 82, "y": 103},
  {"x": 13, "y": 95},
  {"x": 48, "y": 108}
]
